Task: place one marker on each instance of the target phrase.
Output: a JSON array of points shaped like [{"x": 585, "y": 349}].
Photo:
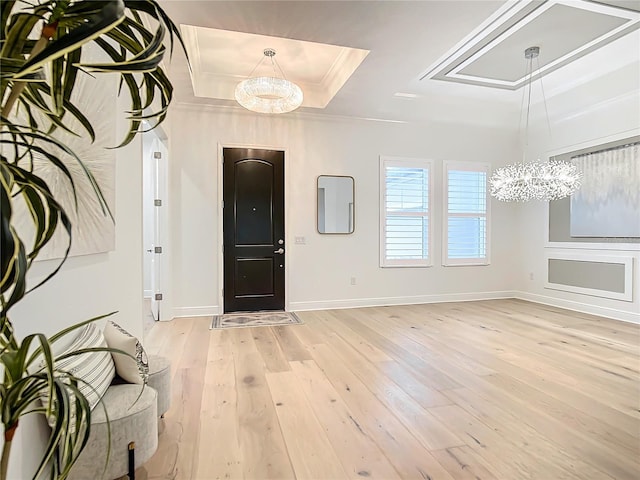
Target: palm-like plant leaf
[
  {"x": 94, "y": 25},
  {"x": 144, "y": 53},
  {"x": 38, "y": 78}
]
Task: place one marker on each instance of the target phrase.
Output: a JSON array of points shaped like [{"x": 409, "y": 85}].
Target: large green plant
[{"x": 41, "y": 59}]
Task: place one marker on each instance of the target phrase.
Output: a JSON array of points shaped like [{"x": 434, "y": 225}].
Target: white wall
[
  {"x": 590, "y": 112},
  {"x": 318, "y": 273},
  {"x": 87, "y": 286}
]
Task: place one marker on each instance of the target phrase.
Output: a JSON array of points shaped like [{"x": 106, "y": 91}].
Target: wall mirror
[{"x": 335, "y": 204}]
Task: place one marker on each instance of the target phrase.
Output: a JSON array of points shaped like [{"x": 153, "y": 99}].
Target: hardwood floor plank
[
  {"x": 462, "y": 463},
  {"x": 613, "y": 405},
  {"x": 419, "y": 358},
  {"x": 178, "y": 451},
  {"x": 501, "y": 456},
  {"x": 431, "y": 376},
  {"x": 417, "y": 327},
  {"x": 408, "y": 456},
  {"x": 357, "y": 451},
  {"x": 170, "y": 341},
  {"x": 626, "y": 459},
  {"x": 305, "y": 334},
  {"x": 218, "y": 418},
  {"x": 291, "y": 346},
  {"x": 264, "y": 453},
  {"x": 178, "y": 445},
  {"x": 310, "y": 451},
  {"x": 511, "y": 427},
  {"x": 355, "y": 339},
  {"x": 269, "y": 349},
  {"x": 426, "y": 396},
  {"x": 562, "y": 324},
  {"x": 196, "y": 341},
  {"x": 432, "y": 433}
]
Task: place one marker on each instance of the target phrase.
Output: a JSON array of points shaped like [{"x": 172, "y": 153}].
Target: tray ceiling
[
  {"x": 493, "y": 56},
  {"x": 220, "y": 59}
]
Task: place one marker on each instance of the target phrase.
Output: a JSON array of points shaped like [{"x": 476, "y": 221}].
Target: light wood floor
[{"x": 501, "y": 389}]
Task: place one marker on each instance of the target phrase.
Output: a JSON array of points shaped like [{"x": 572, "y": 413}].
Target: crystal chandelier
[
  {"x": 269, "y": 94},
  {"x": 521, "y": 182},
  {"x": 544, "y": 181}
]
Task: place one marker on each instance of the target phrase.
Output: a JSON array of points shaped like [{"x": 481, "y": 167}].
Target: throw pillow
[
  {"x": 133, "y": 371},
  {"x": 94, "y": 370}
]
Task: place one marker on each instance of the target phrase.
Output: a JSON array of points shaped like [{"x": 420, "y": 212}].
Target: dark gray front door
[{"x": 253, "y": 222}]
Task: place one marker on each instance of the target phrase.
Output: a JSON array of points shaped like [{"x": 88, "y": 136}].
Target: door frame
[
  {"x": 287, "y": 235},
  {"x": 165, "y": 278}
]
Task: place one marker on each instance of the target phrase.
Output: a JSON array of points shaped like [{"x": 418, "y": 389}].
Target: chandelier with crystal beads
[
  {"x": 269, "y": 94},
  {"x": 544, "y": 181}
]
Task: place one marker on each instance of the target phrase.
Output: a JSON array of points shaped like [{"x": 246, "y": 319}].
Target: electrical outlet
[
  {"x": 301, "y": 241},
  {"x": 353, "y": 280}
]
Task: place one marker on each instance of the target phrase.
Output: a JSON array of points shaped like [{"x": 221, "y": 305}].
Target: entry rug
[{"x": 254, "y": 319}]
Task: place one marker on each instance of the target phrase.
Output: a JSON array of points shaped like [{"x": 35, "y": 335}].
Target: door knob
[{"x": 280, "y": 251}]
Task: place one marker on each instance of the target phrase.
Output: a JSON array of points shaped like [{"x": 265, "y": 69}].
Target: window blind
[
  {"x": 405, "y": 212},
  {"x": 466, "y": 235}
]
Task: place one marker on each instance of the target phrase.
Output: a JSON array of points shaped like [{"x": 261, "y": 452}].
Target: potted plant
[{"x": 41, "y": 59}]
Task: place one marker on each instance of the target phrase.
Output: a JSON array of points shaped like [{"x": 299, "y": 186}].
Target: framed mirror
[{"x": 335, "y": 204}]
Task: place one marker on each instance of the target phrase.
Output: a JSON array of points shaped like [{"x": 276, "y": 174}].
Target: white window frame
[
  {"x": 472, "y": 167},
  {"x": 407, "y": 163}
]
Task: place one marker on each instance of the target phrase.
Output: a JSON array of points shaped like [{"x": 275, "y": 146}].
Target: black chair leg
[{"x": 132, "y": 461}]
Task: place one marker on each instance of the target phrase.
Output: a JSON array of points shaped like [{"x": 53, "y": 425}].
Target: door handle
[{"x": 279, "y": 251}]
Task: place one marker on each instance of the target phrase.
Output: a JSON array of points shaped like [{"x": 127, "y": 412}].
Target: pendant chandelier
[
  {"x": 273, "y": 94},
  {"x": 545, "y": 181}
]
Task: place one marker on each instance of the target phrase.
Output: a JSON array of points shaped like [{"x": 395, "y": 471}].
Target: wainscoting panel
[{"x": 600, "y": 276}]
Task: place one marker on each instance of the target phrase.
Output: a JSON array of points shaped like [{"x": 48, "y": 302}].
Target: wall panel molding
[{"x": 621, "y": 288}]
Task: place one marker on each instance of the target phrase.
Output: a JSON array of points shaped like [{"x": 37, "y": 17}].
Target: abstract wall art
[
  {"x": 93, "y": 230},
  {"x": 608, "y": 203}
]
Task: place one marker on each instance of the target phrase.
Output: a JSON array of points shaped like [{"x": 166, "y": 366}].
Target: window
[
  {"x": 466, "y": 214},
  {"x": 405, "y": 223}
]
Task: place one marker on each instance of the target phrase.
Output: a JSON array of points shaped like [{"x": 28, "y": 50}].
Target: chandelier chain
[
  {"x": 544, "y": 100},
  {"x": 256, "y": 67},
  {"x": 524, "y": 181},
  {"x": 275, "y": 65},
  {"x": 530, "y": 82}
]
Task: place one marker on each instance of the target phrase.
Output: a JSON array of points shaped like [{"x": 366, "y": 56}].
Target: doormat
[{"x": 254, "y": 319}]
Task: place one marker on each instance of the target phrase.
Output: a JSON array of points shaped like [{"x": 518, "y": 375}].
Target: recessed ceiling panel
[
  {"x": 220, "y": 59},
  {"x": 564, "y": 31}
]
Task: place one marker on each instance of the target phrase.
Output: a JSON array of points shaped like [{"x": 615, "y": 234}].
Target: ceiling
[
  {"x": 221, "y": 58},
  {"x": 406, "y": 61}
]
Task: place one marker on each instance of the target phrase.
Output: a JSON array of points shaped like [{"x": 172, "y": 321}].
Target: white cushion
[
  {"x": 130, "y": 370},
  {"x": 94, "y": 370}
]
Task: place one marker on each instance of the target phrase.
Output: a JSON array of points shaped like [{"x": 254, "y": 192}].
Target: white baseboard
[
  {"x": 208, "y": 311},
  {"x": 384, "y": 301},
  {"x": 580, "y": 307},
  {"x": 205, "y": 311}
]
